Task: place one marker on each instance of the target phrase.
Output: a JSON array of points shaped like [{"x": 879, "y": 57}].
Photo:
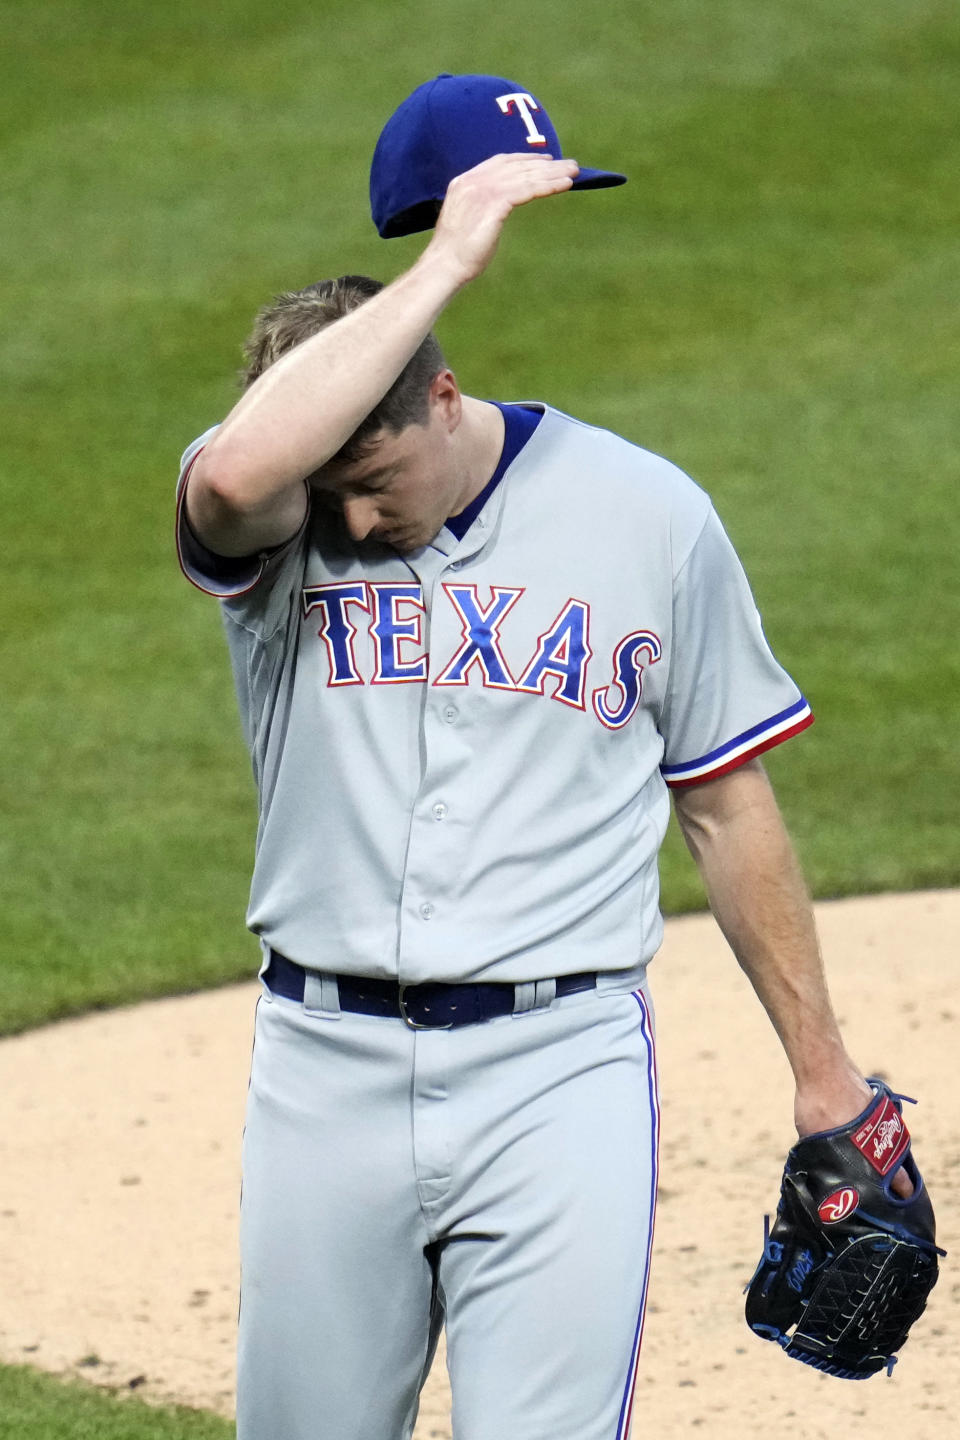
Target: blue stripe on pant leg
[{"x": 626, "y": 1407}]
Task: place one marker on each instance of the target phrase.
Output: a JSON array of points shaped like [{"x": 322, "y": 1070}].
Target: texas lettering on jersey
[{"x": 393, "y": 613}]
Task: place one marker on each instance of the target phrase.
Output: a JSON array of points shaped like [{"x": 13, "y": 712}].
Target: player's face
[{"x": 403, "y": 491}]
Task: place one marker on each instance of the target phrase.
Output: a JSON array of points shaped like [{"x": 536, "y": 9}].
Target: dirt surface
[{"x": 119, "y": 1180}]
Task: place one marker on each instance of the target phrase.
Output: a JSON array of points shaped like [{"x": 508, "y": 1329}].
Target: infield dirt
[{"x": 119, "y": 1156}]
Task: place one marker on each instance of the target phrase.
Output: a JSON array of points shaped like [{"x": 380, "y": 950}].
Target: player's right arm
[{"x": 246, "y": 491}]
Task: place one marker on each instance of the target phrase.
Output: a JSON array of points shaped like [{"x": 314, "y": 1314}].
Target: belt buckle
[{"x": 408, "y": 1019}]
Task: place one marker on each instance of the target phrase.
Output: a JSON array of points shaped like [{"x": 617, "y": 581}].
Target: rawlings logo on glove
[
  {"x": 847, "y": 1265},
  {"x": 838, "y": 1205}
]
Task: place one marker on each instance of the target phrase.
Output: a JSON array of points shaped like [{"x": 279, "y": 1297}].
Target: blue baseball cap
[{"x": 448, "y": 125}]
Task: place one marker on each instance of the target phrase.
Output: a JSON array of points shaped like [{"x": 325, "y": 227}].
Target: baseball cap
[{"x": 448, "y": 125}]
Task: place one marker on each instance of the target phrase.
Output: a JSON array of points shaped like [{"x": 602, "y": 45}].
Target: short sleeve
[{"x": 727, "y": 698}]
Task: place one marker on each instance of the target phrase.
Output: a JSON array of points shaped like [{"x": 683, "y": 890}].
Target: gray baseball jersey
[{"x": 463, "y": 755}]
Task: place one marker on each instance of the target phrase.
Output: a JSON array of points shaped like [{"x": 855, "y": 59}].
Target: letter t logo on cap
[{"x": 524, "y": 104}]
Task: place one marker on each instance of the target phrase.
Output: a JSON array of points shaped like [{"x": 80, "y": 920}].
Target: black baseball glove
[{"x": 847, "y": 1265}]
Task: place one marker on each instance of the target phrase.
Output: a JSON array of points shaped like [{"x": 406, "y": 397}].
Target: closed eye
[
  {"x": 340, "y": 488},
  {"x": 365, "y": 487},
  {"x": 373, "y": 482}
]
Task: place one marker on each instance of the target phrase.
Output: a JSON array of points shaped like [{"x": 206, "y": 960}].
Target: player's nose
[{"x": 360, "y": 515}]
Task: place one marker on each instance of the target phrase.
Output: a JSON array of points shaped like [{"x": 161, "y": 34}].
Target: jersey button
[
  {"x": 450, "y": 714},
  {"x": 427, "y": 910},
  {"x": 456, "y": 564},
  {"x": 439, "y": 811}
]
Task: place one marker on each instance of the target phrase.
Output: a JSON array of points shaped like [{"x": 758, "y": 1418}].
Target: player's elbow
[
  {"x": 219, "y": 507},
  {"x": 220, "y": 485},
  {"x": 233, "y": 512}
]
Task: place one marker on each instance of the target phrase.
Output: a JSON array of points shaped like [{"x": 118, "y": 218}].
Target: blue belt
[{"x": 433, "y": 1006}]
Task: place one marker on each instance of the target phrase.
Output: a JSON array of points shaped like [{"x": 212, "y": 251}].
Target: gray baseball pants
[{"x": 498, "y": 1179}]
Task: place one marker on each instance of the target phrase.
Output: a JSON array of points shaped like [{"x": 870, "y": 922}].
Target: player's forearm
[
  {"x": 305, "y": 406},
  {"x": 757, "y": 893}
]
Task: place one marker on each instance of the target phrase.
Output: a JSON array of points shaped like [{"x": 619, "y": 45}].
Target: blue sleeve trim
[{"x": 744, "y": 741}]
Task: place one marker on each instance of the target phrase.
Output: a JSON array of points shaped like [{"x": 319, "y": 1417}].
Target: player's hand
[
  {"x": 848, "y": 1096},
  {"x": 833, "y": 1101},
  {"x": 478, "y": 202}
]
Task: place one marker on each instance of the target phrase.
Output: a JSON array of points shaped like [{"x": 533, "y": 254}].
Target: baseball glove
[{"x": 847, "y": 1265}]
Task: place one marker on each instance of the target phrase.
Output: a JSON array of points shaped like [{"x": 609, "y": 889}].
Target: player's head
[
  {"x": 402, "y": 473},
  {"x": 295, "y": 315}
]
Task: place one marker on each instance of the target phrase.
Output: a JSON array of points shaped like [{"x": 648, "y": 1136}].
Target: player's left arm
[{"x": 735, "y": 832}]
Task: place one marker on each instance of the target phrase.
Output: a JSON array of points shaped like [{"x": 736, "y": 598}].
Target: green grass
[
  {"x": 768, "y": 302},
  {"x": 41, "y": 1407}
]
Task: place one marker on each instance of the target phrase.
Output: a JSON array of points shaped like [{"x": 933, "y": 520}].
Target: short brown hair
[{"x": 295, "y": 315}]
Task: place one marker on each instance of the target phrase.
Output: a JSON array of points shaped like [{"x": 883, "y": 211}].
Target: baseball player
[{"x": 476, "y": 646}]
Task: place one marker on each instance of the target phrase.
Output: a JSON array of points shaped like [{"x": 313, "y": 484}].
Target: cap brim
[
  {"x": 597, "y": 179},
  {"x": 423, "y": 214}
]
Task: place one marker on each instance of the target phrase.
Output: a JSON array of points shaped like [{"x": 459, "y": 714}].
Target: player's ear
[{"x": 445, "y": 399}]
